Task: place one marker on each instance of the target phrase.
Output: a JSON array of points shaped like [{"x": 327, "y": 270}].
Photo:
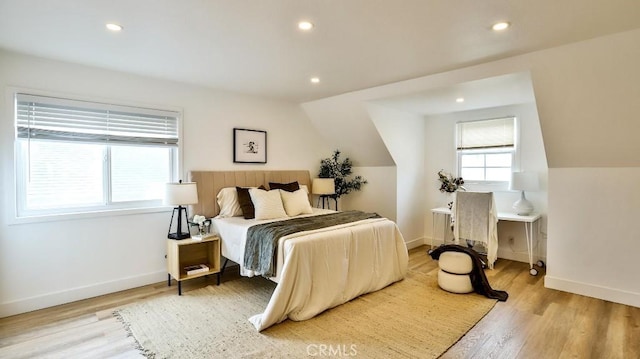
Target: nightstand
[{"x": 189, "y": 252}]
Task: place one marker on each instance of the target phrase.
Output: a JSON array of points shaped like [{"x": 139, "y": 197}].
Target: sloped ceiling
[{"x": 346, "y": 121}]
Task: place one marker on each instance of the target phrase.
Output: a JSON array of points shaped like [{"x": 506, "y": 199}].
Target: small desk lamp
[
  {"x": 325, "y": 188},
  {"x": 180, "y": 194},
  {"x": 523, "y": 181}
]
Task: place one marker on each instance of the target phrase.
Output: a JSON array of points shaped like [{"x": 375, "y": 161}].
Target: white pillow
[
  {"x": 228, "y": 202},
  {"x": 296, "y": 203},
  {"x": 268, "y": 204},
  {"x": 305, "y": 188}
]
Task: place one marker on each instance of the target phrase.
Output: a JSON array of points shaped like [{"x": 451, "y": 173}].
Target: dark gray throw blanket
[
  {"x": 261, "y": 248},
  {"x": 479, "y": 280}
]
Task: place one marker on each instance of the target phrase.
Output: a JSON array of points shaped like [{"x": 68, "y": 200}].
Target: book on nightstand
[
  {"x": 199, "y": 237},
  {"x": 198, "y": 268}
]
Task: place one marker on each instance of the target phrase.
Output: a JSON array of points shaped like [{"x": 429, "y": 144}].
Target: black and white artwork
[{"x": 249, "y": 146}]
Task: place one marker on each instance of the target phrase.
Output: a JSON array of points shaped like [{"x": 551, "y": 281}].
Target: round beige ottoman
[{"x": 453, "y": 275}]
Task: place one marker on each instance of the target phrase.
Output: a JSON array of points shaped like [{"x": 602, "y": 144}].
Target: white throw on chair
[{"x": 475, "y": 219}]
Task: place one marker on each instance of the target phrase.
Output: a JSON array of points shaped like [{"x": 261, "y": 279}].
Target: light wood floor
[{"x": 534, "y": 323}]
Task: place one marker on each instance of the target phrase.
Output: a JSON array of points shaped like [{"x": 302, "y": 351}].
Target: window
[
  {"x": 486, "y": 150},
  {"x": 76, "y": 156}
]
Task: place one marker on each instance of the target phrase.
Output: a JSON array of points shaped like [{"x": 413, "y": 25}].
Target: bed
[{"x": 315, "y": 269}]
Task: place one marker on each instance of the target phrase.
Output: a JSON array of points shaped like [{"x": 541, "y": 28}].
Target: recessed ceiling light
[
  {"x": 499, "y": 26},
  {"x": 114, "y": 27},
  {"x": 305, "y": 25},
  {"x": 460, "y": 99},
  {"x": 315, "y": 80}
]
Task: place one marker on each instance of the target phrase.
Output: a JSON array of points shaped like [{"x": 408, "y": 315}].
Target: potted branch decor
[
  {"x": 450, "y": 184},
  {"x": 340, "y": 170}
]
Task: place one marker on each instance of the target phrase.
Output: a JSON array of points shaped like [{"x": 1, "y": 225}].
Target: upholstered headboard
[{"x": 211, "y": 182}]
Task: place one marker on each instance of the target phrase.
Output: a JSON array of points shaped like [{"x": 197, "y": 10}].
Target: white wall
[
  {"x": 376, "y": 195},
  {"x": 402, "y": 133},
  {"x": 594, "y": 237},
  {"x": 441, "y": 154},
  {"x": 48, "y": 263},
  {"x": 587, "y": 96}
]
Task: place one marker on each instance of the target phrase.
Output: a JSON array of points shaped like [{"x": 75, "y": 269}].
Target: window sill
[
  {"x": 87, "y": 215},
  {"x": 486, "y": 186}
]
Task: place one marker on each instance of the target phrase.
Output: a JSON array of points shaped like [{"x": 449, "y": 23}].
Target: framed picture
[{"x": 249, "y": 146}]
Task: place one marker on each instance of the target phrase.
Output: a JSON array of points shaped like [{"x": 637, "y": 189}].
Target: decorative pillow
[
  {"x": 228, "y": 202},
  {"x": 244, "y": 199},
  {"x": 305, "y": 188},
  {"x": 296, "y": 203},
  {"x": 289, "y": 187},
  {"x": 268, "y": 204}
]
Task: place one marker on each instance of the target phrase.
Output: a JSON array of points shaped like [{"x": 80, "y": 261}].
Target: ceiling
[
  {"x": 515, "y": 88},
  {"x": 254, "y": 46}
]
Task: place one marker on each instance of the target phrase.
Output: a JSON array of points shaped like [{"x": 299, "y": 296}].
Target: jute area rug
[{"x": 413, "y": 318}]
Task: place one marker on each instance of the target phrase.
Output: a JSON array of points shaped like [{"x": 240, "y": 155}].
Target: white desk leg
[
  {"x": 528, "y": 228},
  {"x": 433, "y": 230},
  {"x": 448, "y": 229}
]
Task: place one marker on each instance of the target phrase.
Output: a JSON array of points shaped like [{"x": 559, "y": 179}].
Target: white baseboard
[
  {"x": 594, "y": 291},
  {"x": 415, "y": 243},
  {"x": 79, "y": 293},
  {"x": 436, "y": 242}
]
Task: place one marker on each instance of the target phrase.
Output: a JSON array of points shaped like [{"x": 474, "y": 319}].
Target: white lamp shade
[
  {"x": 181, "y": 193},
  {"x": 323, "y": 186},
  {"x": 524, "y": 181}
]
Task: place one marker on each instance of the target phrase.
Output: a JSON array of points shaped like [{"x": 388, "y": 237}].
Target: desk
[{"x": 529, "y": 222}]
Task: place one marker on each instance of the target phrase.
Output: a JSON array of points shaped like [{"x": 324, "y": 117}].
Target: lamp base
[
  {"x": 325, "y": 199},
  {"x": 522, "y": 206},
  {"x": 179, "y": 236}
]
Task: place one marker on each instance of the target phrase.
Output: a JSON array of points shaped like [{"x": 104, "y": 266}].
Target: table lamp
[
  {"x": 180, "y": 194},
  {"x": 523, "y": 181},
  {"x": 325, "y": 188}
]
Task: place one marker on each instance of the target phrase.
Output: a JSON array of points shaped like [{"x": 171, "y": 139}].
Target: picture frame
[{"x": 249, "y": 146}]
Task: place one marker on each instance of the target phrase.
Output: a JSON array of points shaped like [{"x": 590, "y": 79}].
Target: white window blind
[
  {"x": 50, "y": 118},
  {"x": 485, "y": 134}
]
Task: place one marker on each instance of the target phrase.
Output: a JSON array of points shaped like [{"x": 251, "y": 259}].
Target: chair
[{"x": 475, "y": 219}]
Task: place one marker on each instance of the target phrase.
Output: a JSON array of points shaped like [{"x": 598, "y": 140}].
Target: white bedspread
[
  {"x": 233, "y": 231},
  {"x": 327, "y": 267}
]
